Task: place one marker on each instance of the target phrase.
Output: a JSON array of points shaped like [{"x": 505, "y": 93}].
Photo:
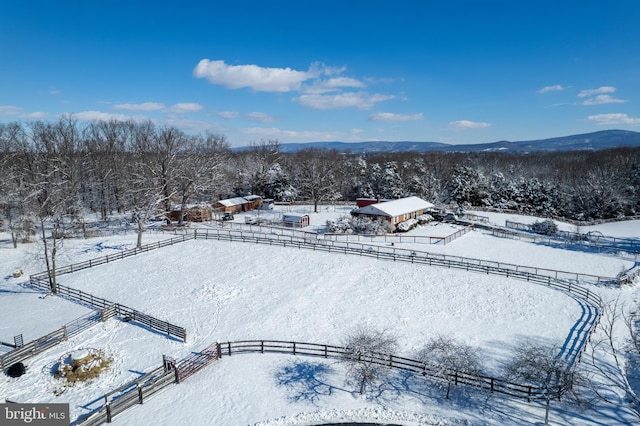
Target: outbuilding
[
  {"x": 296, "y": 220},
  {"x": 396, "y": 211},
  {"x": 192, "y": 213},
  {"x": 238, "y": 204}
]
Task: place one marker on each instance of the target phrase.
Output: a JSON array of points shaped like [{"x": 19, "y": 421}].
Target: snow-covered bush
[
  {"x": 547, "y": 227},
  {"x": 358, "y": 225},
  {"x": 424, "y": 219},
  {"x": 407, "y": 225}
]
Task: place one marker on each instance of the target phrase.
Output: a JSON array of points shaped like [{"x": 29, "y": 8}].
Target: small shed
[{"x": 296, "y": 220}]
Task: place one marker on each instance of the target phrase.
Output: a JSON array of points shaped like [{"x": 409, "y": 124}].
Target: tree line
[{"x": 66, "y": 168}]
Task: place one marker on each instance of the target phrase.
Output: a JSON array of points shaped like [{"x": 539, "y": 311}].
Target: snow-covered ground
[{"x": 233, "y": 291}]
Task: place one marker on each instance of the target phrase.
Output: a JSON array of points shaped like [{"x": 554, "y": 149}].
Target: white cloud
[
  {"x": 9, "y": 110},
  {"x": 145, "y": 106},
  {"x": 389, "y": 116},
  {"x": 183, "y": 108},
  {"x": 343, "y": 82},
  {"x": 598, "y": 91},
  {"x": 609, "y": 119},
  {"x": 603, "y": 99},
  {"x": 260, "y": 117},
  {"x": 360, "y": 100},
  {"x": 293, "y": 135},
  {"x": 466, "y": 124},
  {"x": 555, "y": 87},
  {"x": 257, "y": 78},
  {"x": 14, "y": 111},
  {"x": 100, "y": 115},
  {"x": 54, "y": 92},
  {"x": 228, "y": 114},
  {"x": 335, "y": 84},
  {"x": 36, "y": 115}
]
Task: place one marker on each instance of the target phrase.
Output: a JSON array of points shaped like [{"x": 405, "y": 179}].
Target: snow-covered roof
[
  {"x": 396, "y": 207},
  {"x": 233, "y": 201},
  {"x": 239, "y": 200}
]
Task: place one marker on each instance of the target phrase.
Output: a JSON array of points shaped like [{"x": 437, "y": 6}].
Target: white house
[{"x": 396, "y": 211}]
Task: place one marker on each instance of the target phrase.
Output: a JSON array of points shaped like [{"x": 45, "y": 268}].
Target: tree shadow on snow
[{"x": 306, "y": 381}]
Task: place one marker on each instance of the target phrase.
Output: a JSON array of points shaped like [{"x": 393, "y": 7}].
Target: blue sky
[{"x": 454, "y": 72}]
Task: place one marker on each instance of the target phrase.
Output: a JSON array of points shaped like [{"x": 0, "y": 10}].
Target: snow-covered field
[{"x": 234, "y": 291}]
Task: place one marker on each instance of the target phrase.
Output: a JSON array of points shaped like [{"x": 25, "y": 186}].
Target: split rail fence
[
  {"x": 139, "y": 390},
  {"x": 129, "y": 395},
  {"x": 399, "y": 239},
  {"x": 529, "y": 273},
  {"x": 50, "y": 340},
  {"x": 392, "y": 361},
  {"x": 116, "y": 309}
]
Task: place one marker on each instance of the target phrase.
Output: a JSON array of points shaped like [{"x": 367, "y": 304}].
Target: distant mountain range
[{"x": 589, "y": 141}]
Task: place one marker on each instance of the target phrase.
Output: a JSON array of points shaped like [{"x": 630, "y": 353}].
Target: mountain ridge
[{"x": 594, "y": 141}]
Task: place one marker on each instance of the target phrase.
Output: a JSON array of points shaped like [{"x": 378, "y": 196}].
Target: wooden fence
[
  {"x": 398, "y": 238},
  {"x": 50, "y": 340},
  {"x": 137, "y": 391},
  {"x": 119, "y": 255},
  {"x": 631, "y": 245},
  {"x": 529, "y": 273},
  {"x": 491, "y": 384},
  {"x": 563, "y": 281},
  {"x": 126, "y": 313},
  {"x": 129, "y": 395}
]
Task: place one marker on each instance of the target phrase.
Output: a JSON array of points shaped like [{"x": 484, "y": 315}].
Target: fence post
[
  {"x": 176, "y": 373},
  {"x": 218, "y": 350},
  {"x": 64, "y": 332},
  {"x": 140, "y": 396},
  {"x": 529, "y": 394},
  {"x": 229, "y": 346},
  {"x": 107, "y": 406},
  {"x": 294, "y": 348}
]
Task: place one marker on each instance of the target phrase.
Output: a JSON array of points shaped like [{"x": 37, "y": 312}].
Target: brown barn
[
  {"x": 192, "y": 214},
  {"x": 238, "y": 204}
]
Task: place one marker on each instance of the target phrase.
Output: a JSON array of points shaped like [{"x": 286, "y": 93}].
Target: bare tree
[
  {"x": 448, "y": 358},
  {"x": 106, "y": 143},
  {"x": 540, "y": 366},
  {"x": 51, "y": 183},
  {"x": 367, "y": 355},
  {"x": 615, "y": 357},
  {"x": 315, "y": 177},
  {"x": 200, "y": 169}
]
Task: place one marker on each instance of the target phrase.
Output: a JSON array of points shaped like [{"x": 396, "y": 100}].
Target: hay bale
[{"x": 81, "y": 365}]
